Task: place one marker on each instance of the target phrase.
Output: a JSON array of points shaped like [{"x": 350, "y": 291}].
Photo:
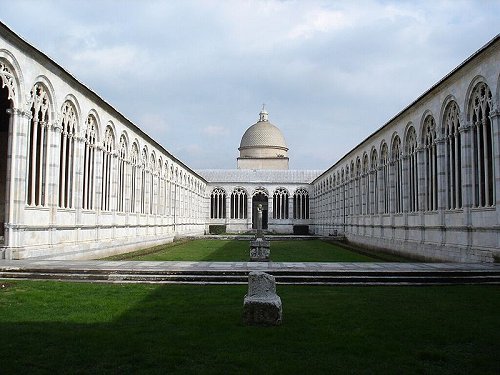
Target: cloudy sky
[{"x": 194, "y": 74}]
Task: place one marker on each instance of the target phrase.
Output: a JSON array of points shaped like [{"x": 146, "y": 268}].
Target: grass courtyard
[
  {"x": 73, "y": 328},
  {"x": 237, "y": 251}
]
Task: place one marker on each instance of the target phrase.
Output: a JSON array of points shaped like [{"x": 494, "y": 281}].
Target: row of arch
[
  {"x": 77, "y": 162},
  {"x": 238, "y": 201},
  {"x": 421, "y": 171}
]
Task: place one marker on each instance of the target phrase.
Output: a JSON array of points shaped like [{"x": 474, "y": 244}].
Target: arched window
[
  {"x": 122, "y": 171},
  {"x": 218, "y": 204},
  {"x": 67, "y": 155},
  {"x": 384, "y": 163},
  {"x": 301, "y": 204},
  {"x": 453, "y": 152},
  {"x": 239, "y": 204},
  {"x": 412, "y": 171},
  {"x": 374, "y": 183},
  {"x": 107, "y": 160},
  {"x": 134, "y": 164},
  {"x": 366, "y": 185},
  {"x": 357, "y": 184},
  {"x": 397, "y": 175},
  {"x": 152, "y": 184},
  {"x": 89, "y": 162},
  {"x": 482, "y": 147},
  {"x": 143, "y": 184},
  {"x": 430, "y": 164},
  {"x": 37, "y": 153},
  {"x": 280, "y": 204}
]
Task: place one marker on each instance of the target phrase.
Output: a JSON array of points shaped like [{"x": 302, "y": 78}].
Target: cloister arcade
[
  {"x": 427, "y": 182},
  {"x": 281, "y": 211},
  {"x": 79, "y": 180}
]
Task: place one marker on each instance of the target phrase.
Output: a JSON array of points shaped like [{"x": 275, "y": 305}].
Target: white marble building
[{"x": 79, "y": 180}]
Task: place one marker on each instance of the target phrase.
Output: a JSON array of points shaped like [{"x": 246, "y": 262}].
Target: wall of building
[
  {"x": 238, "y": 221},
  {"x": 81, "y": 179},
  {"x": 428, "y": 182}
]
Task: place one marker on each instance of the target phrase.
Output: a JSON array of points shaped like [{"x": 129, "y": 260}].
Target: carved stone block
[{"x": 262, "y": 306}]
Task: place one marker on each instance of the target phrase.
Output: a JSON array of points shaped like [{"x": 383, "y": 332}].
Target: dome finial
[{"x": 263, "y": 115}]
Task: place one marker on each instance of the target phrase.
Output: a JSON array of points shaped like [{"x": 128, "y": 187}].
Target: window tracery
[
  {"x": 280, "y": 204},
  {"x": 453, "y": 152},
  {"x": 218, "y": 204},
  {"x": 239, "y": 204},
  {"x": 38, "y": 141},
  {"x": 67, "y": 155},
  {"x": 89, "y": 162},
  {"x": 430, "y": 170}
]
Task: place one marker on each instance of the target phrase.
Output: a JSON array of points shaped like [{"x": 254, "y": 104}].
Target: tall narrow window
[
  {"x": 134, "y": 175},
  {"x": 384, "y": 162},
  {"x": 152, "y": 184},
  {"x": 67, "y": 155},
  {"x": 301, "y": 204},
  {"x": 366, "y": 185},
  {"x": 37, "y": 143},
  {"x": 218, "y": 204},
  {"x": 107, "y": 167},
  {"x": 88, "y": 163},
  {"x": 239, "y": 204},
  {"x": 122, "y": 174},
  {"x": 430, "y": 165},
  {"x": 397, "y": 172},
  {"x": 482, "y": 147},
  {"x": 280, "y": 204},
  {"x": 412, "y": 171},
  {"x": 453, "y": 152},
  {"x": 357, "y": 185},
  {"x": 374, "y": 183},
  {"x": 143, "y": 181}
]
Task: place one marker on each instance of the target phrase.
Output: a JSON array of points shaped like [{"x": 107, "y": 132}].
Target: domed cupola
[{"x": 263, "y": 146}]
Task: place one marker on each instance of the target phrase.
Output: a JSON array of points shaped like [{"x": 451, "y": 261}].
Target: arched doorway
[
  {"x": 259, "y": 198},
  {"x": 5, "y": 104}
]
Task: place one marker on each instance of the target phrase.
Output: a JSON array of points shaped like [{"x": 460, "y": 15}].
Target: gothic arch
[
  {"x": 10, "y": 80},
  {"x": 7, "y": 58},
  {"x": 76, "y": 107},
  {"x": 440, "y": 128},
  {"x": 425, "y": 117},
  {"x": 409, "y": 131},
  {"x": 470, "y": 89},
  {"x": 111, "y": 125},
  {"x": 262, "y": 190}
]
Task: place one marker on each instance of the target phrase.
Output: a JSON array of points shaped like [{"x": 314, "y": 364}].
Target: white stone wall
[
  {"x": 284, "y": 225},
  {"x": 171, "y": 203},
  {"x": 343, "y": 201}
]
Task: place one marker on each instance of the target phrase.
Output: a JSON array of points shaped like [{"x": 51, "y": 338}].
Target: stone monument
[
  {"x": 259, "y": 247},
  {"x": 262, "y": 306}
]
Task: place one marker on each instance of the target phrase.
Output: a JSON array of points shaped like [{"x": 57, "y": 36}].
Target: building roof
[
  {"x": 258, "y": 176},
  {"x": 263, "y": 134}
]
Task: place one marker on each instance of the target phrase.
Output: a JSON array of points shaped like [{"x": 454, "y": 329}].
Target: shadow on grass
[{"x": 198, "y": 329}]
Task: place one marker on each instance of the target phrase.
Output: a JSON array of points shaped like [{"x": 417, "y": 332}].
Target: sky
[{"x": 194, "y": 74}]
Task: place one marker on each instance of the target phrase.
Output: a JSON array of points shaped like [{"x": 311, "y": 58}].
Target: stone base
[
  {"x": 259, "y": 250},
  {"x": 262, "y": 312}
]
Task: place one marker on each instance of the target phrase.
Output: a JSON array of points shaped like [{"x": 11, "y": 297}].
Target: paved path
[
  {"x": 362, "y": 273},
  {"x": 129, "y": 265}
]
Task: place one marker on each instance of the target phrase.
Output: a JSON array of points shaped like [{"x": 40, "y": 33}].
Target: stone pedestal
[
  {"x": 259, "y": 250},
  {"x": 262, "y": 306}
]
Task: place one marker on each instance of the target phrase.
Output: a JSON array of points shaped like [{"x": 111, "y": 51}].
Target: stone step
[{"x": 240, "y": 277}]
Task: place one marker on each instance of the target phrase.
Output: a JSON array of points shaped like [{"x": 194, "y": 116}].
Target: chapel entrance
[
  {"x": 4, "y": 143},
  {"x": 257, "y": 199}
]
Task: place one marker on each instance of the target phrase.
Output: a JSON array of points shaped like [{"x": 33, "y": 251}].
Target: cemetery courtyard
[{"x": 63, "y": 327}]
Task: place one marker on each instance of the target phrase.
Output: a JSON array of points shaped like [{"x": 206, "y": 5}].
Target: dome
[{"x": 263, "y": 134}]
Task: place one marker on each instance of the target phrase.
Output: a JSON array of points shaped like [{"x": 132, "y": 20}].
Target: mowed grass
[
  {"x": 82, "y": 328},
  {"x": 238, "y": 251}
]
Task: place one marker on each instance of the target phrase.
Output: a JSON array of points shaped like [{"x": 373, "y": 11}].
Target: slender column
[
  {"x": 495, "y": 131},
  {"x": 15, "y": 193}
]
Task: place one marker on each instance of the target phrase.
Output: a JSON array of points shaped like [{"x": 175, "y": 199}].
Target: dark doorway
[
  {"x": 4, "y": 143},
  {"x": 257, "y": 199}
]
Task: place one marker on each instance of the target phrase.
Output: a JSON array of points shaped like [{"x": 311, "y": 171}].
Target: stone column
[
  {"x": 441, "y": 182},
  {"x": 420, "y": 152},
  {"x": 467, "y": 188},
  {"x": 249, "y": 211},
  {"x": 15, "y": 194},
  {"x": 495, "y": 131}
]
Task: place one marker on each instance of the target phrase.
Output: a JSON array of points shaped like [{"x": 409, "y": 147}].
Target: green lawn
[
  {"x": 74, "y": 328},
  {"x": 234, "y": 251}
]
